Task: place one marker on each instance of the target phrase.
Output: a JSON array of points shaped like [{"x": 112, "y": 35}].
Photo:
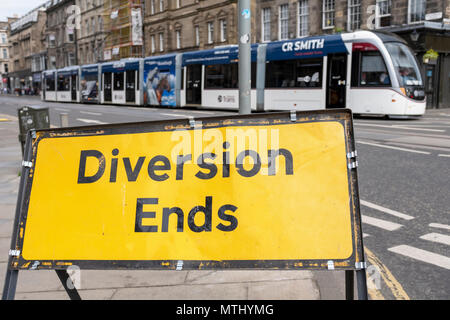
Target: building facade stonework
[
  {"x": 90, "y": 34},
  {"x": 60, "y": 38},
  {"x": 186, "y": 25},
  {"x": 25, "y": 39},
  {"x": 4, "y": 56}
]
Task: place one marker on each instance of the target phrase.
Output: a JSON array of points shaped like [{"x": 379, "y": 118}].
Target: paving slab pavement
[{"x": 147, "y": 284}]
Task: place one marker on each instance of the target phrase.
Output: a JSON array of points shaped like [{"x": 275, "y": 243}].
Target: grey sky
[{"x": 20, "y": 7}]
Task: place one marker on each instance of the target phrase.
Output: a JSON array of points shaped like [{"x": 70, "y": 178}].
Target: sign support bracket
[{"x": 68, "y": 284}]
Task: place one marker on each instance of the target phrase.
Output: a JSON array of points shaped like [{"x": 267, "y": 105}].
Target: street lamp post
[{"x": 244, "y": 18}]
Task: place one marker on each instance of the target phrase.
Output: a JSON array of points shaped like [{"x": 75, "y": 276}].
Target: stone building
[
  {"x": 185, "y": 25},
  {"x": 61, "y": 34},
  {"x": 25, "y": 40},
  {"x": 4, "y": 55},
  {"x": 90, "y": 35}
]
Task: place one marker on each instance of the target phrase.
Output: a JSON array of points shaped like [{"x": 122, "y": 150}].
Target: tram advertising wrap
[{"x": 159, "y": 81}]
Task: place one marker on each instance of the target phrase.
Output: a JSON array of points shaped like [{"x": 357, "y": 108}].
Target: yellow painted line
[
  {"x": 390, "y": 281},
  {"x": 4, "y": 120}
]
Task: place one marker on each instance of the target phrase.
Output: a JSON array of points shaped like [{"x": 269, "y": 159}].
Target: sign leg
[
  {"x": 362, "y": 284},
  {"x": 349, "y": 285},
  {"x": 9, "y": 290},
  {"x": 68, "y": 284}
]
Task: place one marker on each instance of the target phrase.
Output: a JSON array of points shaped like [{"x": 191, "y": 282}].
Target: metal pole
[{"x": 244, "y": 17}]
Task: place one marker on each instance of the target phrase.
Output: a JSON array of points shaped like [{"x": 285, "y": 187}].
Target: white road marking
[
  {"x": 383, "y": 224},
  {"x": 91, "y": 113},
  {"x": 391, "y": 147},
  {"x": 175, "y": 115},
  {"x": 439, "y": 226},
  {"x": 397, "y": 127},
  {"x": 91, "y": 121},
  {"x": 386, "y": 210},
  {"x": 437, "y": 237},
  {"x": 61, "y": 109},
  {"x": 365, "y": 235},
  {"x": 422, "y": 255},
  {"x": 444, "y": 155}
]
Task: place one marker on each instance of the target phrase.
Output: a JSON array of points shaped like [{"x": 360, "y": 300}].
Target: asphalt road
[{"x": 404, "y": 181}]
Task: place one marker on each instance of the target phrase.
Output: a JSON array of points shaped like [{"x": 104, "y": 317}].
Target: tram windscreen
[{"x": 405, "y": 64}]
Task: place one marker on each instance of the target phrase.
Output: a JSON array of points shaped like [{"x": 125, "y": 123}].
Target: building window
[
  {"x": 93, "y": 25},
  {"x": 283, "y": 22},
  {"x": 354, "y": 15},
  {"x": 197, "y": 36},
  {"x": 265, "y": 24},
  {"x": 5, "y": 54},
  {"x": 303, "y": 19},
  {"x": 383, "y": 13},
  {"x": 178, "y": 38},
  {"x": 223, "y": 30},
  {"x": 71, "y": 59},
  {"x": 161, "y": 5},
  {"x": 161, "y": 42},
  {"x": 328, "y": 14},
  {"x": 3, "y": 38},
  {"x": 152, "y": 6},
  {"x": 152, "y": 43},
  {"x": 51, "y": 40},
  {"x": 210, "y": 32},
  {"x": 416, "y": 11},
  {"x": 70, "y": 36},
  {"x": 52, "y": 62},
  {"x": 178, "y": 4}
]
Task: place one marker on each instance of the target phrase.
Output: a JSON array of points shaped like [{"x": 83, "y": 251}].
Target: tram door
[
  {"x": 194, "y": 84},
  {"x": 130, "y": 86},
  {"x": 73, "y": 88},
  {"x": 336, "y": 81},
  {"x": 107, "y": 87}
]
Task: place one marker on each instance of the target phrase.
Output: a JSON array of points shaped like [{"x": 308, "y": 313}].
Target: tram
[{"x": 368, "y": 72}]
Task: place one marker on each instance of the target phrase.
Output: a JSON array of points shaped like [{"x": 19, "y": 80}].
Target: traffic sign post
[{"x": 264, "y": 191}]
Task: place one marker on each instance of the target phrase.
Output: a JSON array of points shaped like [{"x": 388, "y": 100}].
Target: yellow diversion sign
[{"x": 259, "y": 191}]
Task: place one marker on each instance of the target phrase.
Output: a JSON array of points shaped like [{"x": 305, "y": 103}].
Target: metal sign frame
[{"x": 355, "y": 262}]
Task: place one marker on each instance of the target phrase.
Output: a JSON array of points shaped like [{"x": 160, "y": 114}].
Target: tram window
[
  {"x": 221, "y": 76},
  {"x": 302, "y": 73},
  {"x": 50, "y": 84},
  {"x": 308, "y": 73},
  {"x": 373, "y": 71},
  {"x": 226, "y": 76},
  {"x": 63, "y": 83},
  {"x": 118, "y": 81}
]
